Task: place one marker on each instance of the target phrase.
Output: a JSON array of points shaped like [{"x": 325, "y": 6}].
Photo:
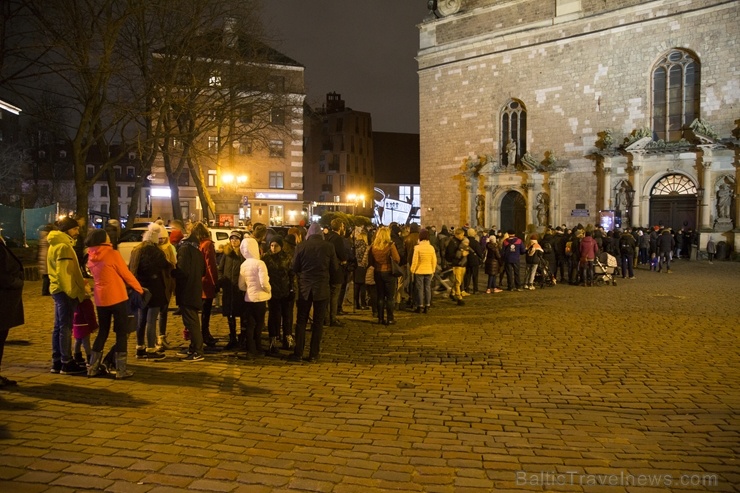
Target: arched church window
[
  {"x": 676, "y": 79},
  {"x": 513, "y": 143},
  {"x": 674, "y": 185}
]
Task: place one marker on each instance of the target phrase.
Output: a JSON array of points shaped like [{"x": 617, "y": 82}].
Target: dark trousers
[
  {"x": 560, "y": 265},
  {"x": 254, "y": 313},
  {"x": 119, "y": 314},
  {"x": 317, "y": 325},
  {"x": 205, "y": 317},
  {"x": 360, "y": 295},
  {"x": 191, "y": 320},
  {"x": 45, "y": 284},
  {"x": 386, "y": 285},
  {"x": 512, "y": 276},
  {"x": 627, "y": 265},
  {"x": 471, "y": 278},
  {"x": 3, "y": 338},
  {"x": 280, "y": 313}
]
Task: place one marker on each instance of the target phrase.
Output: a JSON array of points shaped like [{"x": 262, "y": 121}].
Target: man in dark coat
[
  {"x": 335, "y": 237},
  {"x": 11, "y": 301},
  {"x": 512, "y": 249},
  {"x": 665, "y": 246},
  {"x": 314, "y": 262},
  {"x": 191, "y": 267}
]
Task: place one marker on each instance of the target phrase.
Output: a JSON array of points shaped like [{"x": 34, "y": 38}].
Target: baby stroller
[
  {"x": 544, "y": 277},
  {"x": 605, "y": 269}
]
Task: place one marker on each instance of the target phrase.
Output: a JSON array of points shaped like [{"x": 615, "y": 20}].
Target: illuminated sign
[
  {"x": 276, "y": 196},
  {"x": 161, "y": 192}
]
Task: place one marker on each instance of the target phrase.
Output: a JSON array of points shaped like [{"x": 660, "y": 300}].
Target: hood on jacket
[
  {"x": 250, "y": 248},
  {"x": 98, "y": 253},
  {"x": 59, "y": 238}
]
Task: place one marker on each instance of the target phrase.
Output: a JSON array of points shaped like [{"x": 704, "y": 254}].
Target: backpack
[
  {"x": 568, "y": 248},
  {"x": 547, "y": 247},
  {"x": 624, "y": 247}
]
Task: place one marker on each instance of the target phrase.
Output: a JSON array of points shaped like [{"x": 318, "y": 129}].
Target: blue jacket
[{"x": 511, "y": 249}]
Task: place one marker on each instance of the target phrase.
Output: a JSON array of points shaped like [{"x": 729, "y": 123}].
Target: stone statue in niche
[
  {"x": 622, "y": 198},
  {"x": 511, "y": 153},
  {"x": 543, "y": 209},
  {"x": 724, "y": 200},
  {"x": 480, "y": 210}
]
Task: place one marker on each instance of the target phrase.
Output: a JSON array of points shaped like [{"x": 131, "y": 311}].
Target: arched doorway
[
  {"x": 514, "y": 213},
  {"x": 673, "y": 202}
]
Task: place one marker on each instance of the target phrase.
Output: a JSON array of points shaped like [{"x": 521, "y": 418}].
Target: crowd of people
[{"x": 263, "y": 280}]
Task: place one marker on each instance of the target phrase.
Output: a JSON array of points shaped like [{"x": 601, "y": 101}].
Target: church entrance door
[{"x": 514, "y": 213}]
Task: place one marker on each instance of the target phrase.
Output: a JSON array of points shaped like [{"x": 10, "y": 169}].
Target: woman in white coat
[{"x": 255, "y": 282}]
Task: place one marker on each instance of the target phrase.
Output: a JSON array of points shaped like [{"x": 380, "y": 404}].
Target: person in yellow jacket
[
  {"x": 68, "y": 288},
  {"x": 423, "y": 267}
]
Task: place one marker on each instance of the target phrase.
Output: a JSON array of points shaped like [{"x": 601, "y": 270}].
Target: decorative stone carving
[
  {"x": 446, "y": 7},
  {"x": 480, "y": 210},
  {"x": 543, "y": 209},
  {"x": 529, "y": 162},
  {"x": 724, "y": 200},
  {"x": 704, "y": 131}
]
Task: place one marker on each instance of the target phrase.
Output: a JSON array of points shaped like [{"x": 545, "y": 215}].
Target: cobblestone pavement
[{"x": 634, "y": 387}]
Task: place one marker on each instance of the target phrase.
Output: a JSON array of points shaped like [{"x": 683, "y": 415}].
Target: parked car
[{"x": 128, "y": 240}]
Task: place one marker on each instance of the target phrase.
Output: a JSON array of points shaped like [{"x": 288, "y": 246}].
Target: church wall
[{"x": 573, "y": 88}]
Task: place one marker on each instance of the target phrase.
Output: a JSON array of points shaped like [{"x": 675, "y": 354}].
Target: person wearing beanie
[
  {"x": 112, "y": 277},
  {"x": 280, "y": 306},
  {"x": 423, "y": 267},
  {"x": 313, "y": 264},
  {"x": 232, "y": 298},
  {"x": 472, "y": 268},
  {"x": 68, "y": 288}
]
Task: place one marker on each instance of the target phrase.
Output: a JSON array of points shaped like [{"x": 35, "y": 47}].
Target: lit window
[
  {"x": 276, "y": 179},
  {"x": 674, "y": 185},
  {"x": 213, "y": 145}
]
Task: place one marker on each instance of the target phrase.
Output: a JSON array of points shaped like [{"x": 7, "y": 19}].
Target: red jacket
[
  {"x": 589, "y": 248},
  {"x": 211, "y": 278}
]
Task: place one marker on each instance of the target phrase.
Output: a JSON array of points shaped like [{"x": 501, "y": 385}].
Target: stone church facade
[{"x": 550, "y": 112}]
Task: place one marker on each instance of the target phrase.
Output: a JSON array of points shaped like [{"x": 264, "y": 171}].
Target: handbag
[{"x": 396, "y": 269}]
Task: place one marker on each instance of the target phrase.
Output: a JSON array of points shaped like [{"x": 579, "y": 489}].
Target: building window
[
  {"x": 118, "y": 191},
  {"x": 103, "y": 190},
  {"x": 277, "y": 116},
  {"x": 676, "y": 80},
  {"x": 246, "y": 113},
  {"x": 340, "y": 124},
  {"x": 117, "y": 170},
  {"x": 130, "y": 192},
  {"x": 104, "y": 208},
  {"x": 90, "y": 171},
  {"x": 322, "y": 167},
  {"x": 276, "y": 215},
  {"x": 245, "y": 148},
  {"x": 214, "y": 80},
  {"x": 212, "y": 176},
  {"x": 277, "y": 148},
  {"x": 276, "y": 179},
  {"x": 185, "y": 208},
  {"x": 513, "y": 143},
  {"x": 213, "y": 145},
  {"x": 130, "y": 172},
  {"x": 342, "y": 182},
  {"x": 674, "y": 185}
]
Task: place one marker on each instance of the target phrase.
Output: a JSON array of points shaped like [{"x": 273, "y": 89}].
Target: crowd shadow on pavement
[{"x": 80, "y": 394}]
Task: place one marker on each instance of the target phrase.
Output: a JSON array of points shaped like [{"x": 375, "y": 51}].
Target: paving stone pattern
[{"x": 563, "y": 389}]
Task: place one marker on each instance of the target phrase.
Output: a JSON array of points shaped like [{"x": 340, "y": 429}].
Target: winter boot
[
  {"x": 233, "y": 343},
  {"x": 95, "y": 358},
  {"x": 163, "y": 343},
  {"x": 274, "y": 345},
  {"x": 121, "y": 371},
  {"x": 109, "y": 362}
]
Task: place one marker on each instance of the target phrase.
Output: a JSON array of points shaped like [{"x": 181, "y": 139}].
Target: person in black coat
[
  {"x": 314, "y": 262},
  {"x": 335, "y": 237},
  {"x": 191, "y": 267},
  {"x": 473, "y": 266},
  {"x": 232, "y": 299},
  {"x": 11, "y": 299}
]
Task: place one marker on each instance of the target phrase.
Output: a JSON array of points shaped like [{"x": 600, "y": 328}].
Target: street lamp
[{"x": 355, "y": 199}]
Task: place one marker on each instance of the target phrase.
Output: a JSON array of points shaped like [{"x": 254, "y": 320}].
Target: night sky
[{"x": 363, "y": 50}]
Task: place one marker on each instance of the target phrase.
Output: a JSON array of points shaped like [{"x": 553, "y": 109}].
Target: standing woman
[
  {"x": 381, "y": 252},
  {"x": 255, "y": 282},
  {"x": 360, "y": 246},
  {"x": 423, "y": 267},
  {"x": 11, "y": 299},
  {"x": 493, "y": 264},
  {"x": 209, "y": 280},
  {"x": 111, "y": 276},
  {"x": 232, "y": 301}
]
